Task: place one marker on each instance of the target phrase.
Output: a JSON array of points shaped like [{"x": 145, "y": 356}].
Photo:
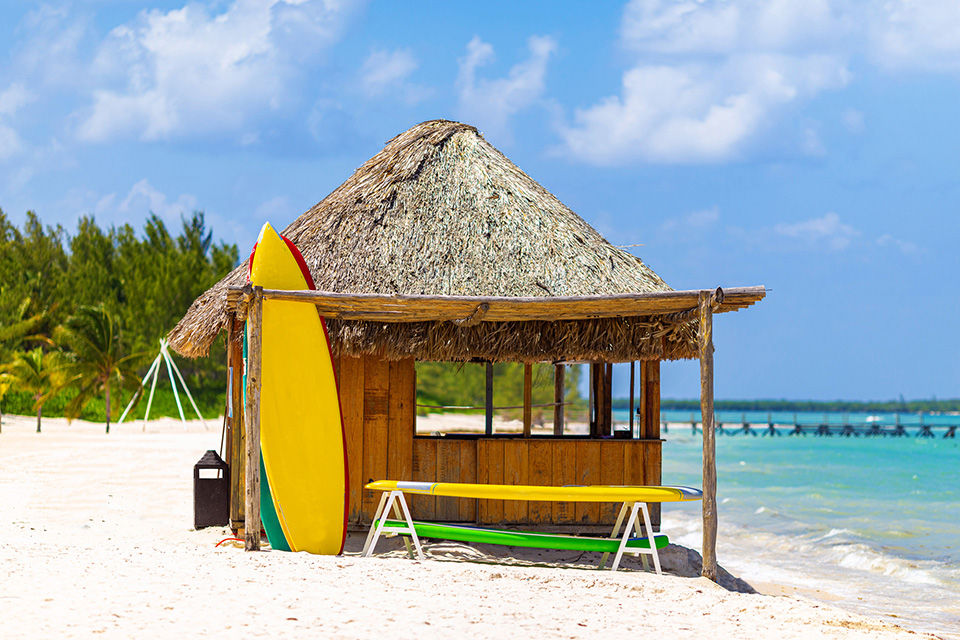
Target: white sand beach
[{"x": 98, "y": 540}]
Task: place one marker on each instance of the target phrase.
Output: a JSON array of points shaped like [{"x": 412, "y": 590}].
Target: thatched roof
[{"x": 440, "y": 211}]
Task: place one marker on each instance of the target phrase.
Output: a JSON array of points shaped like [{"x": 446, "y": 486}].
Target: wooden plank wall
[{"x": 378, "y": 402}]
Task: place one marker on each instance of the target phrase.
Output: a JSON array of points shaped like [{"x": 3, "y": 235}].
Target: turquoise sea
[{"x": 873, "y": 523}]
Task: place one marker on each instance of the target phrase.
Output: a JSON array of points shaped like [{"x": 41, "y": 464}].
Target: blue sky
[{"x": 810, "y": 146}]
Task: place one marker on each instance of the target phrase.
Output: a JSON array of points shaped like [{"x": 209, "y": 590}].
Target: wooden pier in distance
[{"x": 829, "y": 424}]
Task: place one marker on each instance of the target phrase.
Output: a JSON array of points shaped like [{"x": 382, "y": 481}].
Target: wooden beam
[
  {"x": 559, "y": 372},
  {"x": 473, "y": 309},
  {"x": 709, "y": 443},
  {"x": 252, "y": 422},
  {"x": 488, "y": 410},
  {"x": 527, "y": 399},
  {"x": 632, "y": 376}
]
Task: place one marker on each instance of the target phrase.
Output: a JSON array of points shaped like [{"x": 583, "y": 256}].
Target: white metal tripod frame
[
  {"x": 153, "y": 373},
  {"x": 153, "y": 365},
  {"x": 173, "y": 382},
  {"x": 378, "y": 527},
  {"x": 163, "y": 346}
]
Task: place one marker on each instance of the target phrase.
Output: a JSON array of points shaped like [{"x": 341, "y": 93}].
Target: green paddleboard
[{"x": 525, "y": 538}]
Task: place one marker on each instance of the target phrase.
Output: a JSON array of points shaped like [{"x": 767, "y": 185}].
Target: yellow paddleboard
[
  {"x": 301, "y": 432},
  {"x": 593, "y": 493}
]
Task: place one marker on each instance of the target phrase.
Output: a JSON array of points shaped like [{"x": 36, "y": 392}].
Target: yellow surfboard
[
  {"x": 301, "y": 432},
  {"x": 591, "y": 493}
]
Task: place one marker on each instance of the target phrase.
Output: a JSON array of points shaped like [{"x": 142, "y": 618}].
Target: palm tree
[
  {"x": 95, "y": 358},
  {"x": 38, "y": 373},
  {"x": 13, "y": 336}
]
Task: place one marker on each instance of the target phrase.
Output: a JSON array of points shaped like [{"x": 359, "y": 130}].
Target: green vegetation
[
  {"x": 449, "y": 384},
  {"x": 89, "y": 309}
]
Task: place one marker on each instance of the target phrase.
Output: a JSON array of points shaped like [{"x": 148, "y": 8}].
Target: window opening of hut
[{"x": 472, "y": 399}]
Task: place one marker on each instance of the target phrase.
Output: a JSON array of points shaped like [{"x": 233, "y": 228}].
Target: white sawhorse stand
[
  {"x": 395, "y": 500},
  {"x": 633, "y": 524},
  {"x": 629, "y": 511}
]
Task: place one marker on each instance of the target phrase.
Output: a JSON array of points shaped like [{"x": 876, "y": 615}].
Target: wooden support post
[
  {"x": 601, "y": 423},
  {"x": 632, "y": 374},
  {"x": 252, "y": 422},
  {"x": 235, "y": 447},
  {"x": 558, "y": 395},
  {"x": 488, "y": 429},
  {"x": 709, "y": 441},
  {"x": 606, "y": 418},
  {"x": 228, "y": 400},
  {"x": 592, "y": 400},
  {"x": 650, "y": 400},
  {"x": 527, "y": 399}
]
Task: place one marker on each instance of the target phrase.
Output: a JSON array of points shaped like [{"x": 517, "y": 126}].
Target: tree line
[{"x": 82, "y": 313}]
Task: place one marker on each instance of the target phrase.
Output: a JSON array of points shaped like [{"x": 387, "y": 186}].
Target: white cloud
[
  {"x": 853, "y": 120},
  {"x": 826, "y": 231},
  {"x": 194, "y": 71},
  {"x": 689, "y": 95},
  {"x": 49, "y": 54},
  {"x": 383, "y": 69},
  {"x": 904, "y": 246},
  {"x": 710, "y": 77},
  {"x": 144, "y": 197},
  {"x": 915, "y": 34},
  {"x": 489, "y": 103},
  {"x": 276, "y": 208},
  {"x": 695, "y": 220},
  {"x": 10, "y": 144},
  {"x": 12, "y": 99},
  {"x": 810, "y": 142},
  {"x": 695, "y": 112},
  {"x": 725, "y": 27},
  {"x": 388, "y": 72}
]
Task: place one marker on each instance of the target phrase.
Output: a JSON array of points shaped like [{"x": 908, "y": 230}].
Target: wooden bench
[{"x": 633, "y": 508}]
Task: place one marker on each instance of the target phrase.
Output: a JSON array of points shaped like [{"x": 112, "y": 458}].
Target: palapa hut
[{"x": 439, "y": 248}]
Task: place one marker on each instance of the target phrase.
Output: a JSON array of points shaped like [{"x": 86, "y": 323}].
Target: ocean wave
[
  {"x": 817, "y": 552},
  {"x": 864, "y": 558},
  {"x": 833, "y": 533}
]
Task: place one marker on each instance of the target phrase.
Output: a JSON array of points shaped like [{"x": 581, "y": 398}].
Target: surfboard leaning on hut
[{"x": 303, "y": 459}]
